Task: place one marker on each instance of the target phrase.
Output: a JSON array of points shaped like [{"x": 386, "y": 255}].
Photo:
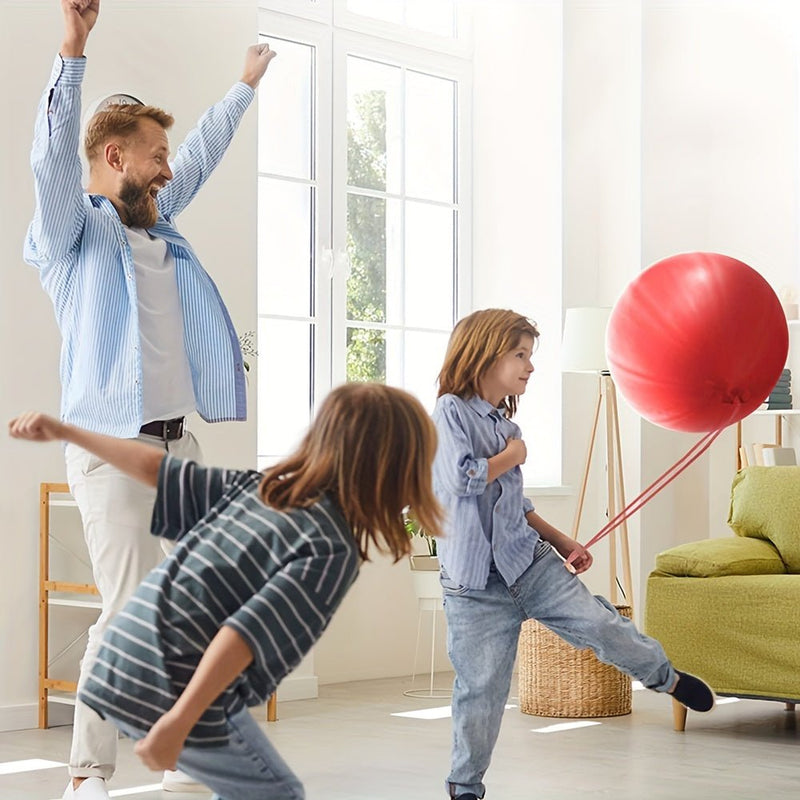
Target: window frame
[
  {"x": 349, "y": 43},
  {"x": 313, "y": 24},
  {"x": 459, "y": 45}
]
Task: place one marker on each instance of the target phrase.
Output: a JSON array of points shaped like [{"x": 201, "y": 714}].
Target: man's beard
[{"x": 140, "y": 208}]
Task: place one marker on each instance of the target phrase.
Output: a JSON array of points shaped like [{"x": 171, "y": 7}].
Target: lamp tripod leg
[
  {"x": 588, "y": 463},
  {"x": 619, "y": 492}
]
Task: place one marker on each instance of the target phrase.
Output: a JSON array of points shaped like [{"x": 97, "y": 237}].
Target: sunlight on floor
[
  {"x": 564, "y": 726},
  {"x": 441, "y": 712},
  {"x": 28, "y": 765},
  {"x": 151, "y": 787}
]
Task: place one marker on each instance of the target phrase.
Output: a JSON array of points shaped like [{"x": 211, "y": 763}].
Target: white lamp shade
[{"x": 583, "y": 348}]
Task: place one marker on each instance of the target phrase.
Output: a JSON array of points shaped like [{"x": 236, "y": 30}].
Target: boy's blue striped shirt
[
  {"x": 485, "y": 521},
  {"x": 78, "y": 243}
]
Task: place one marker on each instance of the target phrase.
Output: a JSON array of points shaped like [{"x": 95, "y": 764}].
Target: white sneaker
[
  {"x": 176, "y": 781},
  {"x": 90, "y": 789}
]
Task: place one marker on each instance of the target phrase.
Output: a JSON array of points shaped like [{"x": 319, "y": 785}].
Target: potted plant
[
  {"x": 428, "y": 561},
  {"x": 425, "y": 565}
]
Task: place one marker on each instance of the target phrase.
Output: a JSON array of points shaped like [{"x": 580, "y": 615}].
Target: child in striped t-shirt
[{"x": 261, "y": 562}]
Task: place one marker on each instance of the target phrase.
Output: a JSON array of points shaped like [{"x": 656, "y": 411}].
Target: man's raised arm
[
  {"x": 205, "y": 145},
  {"x": 79, "y": 19},
  {"x": 59, "y": 212}
]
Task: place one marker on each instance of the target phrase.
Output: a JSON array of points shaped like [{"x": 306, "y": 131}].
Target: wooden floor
[{"x": 349, "y": 745}]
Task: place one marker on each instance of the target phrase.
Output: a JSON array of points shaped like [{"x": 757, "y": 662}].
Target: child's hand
[
  {"x": 579, "y": 559},
  {"x": 515, "y": 448},
  {"x": 159, "y": 750},
  {"x": 35, "y": 427}
]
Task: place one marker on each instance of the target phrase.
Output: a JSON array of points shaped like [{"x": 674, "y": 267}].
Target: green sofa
[{"x": 728, "y": 609}]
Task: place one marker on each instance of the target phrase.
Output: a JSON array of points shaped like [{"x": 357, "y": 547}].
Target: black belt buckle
[
  {"x": 172, "y": 429},
  {"x": 166, "y": 429}
]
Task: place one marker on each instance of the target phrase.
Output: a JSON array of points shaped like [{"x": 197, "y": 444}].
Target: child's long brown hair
[
  {"x": 476, "y": 342},
  {"x": 371, "y": 448}
]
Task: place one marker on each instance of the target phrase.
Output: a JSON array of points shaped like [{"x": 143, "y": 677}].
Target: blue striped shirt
[
  {"x": 485, "y": 521},
  {"x": 78, "y": 244},
  {"x": 274, "y": 577}
]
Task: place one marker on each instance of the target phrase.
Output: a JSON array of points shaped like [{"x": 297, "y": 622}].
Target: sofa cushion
[
  {"x": 712, "y": 558},
  {"x": 765, "y": 504}
]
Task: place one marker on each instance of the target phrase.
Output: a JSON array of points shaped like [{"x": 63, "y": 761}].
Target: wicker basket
[{"x": 556, "y": 680}]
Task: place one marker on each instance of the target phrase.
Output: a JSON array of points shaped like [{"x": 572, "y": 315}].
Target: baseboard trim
[
  {"x": 299, "y": 688},
  {"x": 26, "y": 716}
]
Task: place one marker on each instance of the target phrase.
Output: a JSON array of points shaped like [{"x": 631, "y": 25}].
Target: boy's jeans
[
  {"x": 248, "y": 767},
  {"x": 483, "y": 627}
]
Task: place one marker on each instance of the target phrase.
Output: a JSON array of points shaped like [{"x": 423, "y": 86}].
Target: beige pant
[{"x": 116, "y": 511}]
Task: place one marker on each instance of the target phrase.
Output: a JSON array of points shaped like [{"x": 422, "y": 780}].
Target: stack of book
[{"x": 780, "y": 398}]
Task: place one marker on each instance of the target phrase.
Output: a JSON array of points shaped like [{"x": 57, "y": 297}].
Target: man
[{"x": 146, "y": 337}]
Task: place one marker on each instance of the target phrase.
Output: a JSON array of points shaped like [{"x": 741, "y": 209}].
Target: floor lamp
[{"x": 583, "y": 350}]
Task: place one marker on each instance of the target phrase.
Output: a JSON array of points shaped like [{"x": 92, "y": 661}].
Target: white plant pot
[
  {"x": 420, "y": 563},
  {"x": 425, "y": 574}
]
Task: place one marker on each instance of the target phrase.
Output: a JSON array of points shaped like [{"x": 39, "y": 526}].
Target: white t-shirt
[{"x": 167, "y": 390}]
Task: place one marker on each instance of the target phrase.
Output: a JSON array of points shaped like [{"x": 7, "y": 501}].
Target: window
[
  {"x": 363, "y": 245},
  {"x": 431, "y": 16}
]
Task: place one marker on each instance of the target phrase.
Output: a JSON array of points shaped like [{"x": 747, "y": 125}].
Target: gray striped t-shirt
[{"x": 274, "y": 577}]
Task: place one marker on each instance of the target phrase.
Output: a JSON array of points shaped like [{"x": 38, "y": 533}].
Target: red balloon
[{"x": 697, "y": 341}]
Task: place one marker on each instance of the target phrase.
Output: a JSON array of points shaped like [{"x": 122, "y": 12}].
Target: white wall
[
  {"x": 681, "y": 134},
  {"x": 183, "y": 56},
  {"x": 719, "y": 173},
  {"x": 602, "y": 228},
  {"x": 517, "y": 187}
]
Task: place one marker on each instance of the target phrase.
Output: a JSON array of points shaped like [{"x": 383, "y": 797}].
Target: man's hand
[
  {"x": 79, "y": 19},
  {"x": 159, "y": 750},
  {"x": 256, "y": 62},
  {"x": 36, "y": 427}
]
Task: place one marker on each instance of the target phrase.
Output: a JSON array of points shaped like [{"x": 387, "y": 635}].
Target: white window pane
[
  {"x": 284, "y": 247},
  {"x": 374, "y": 248},
  {"x": 395, "y": 358},
  {"x": 429, "y": 266},
  {"x": 285, "y": 111},
  {"x": 387, "y": 10},
  {"x": 366, "y": 355},
  {"x": 432, "y": 16},
  {"x": 285, "y": 357},
  {"x": 424, "y": 355},
  {"x": 430, "y": 145},
  {"x": 374, "y": 127}
]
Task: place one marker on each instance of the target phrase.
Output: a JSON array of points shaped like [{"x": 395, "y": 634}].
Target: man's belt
[{"x": 166, "y": 429}]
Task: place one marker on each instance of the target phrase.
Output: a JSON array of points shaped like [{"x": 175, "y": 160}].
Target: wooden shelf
[
  {"x": 65, "y": 594},
  {"x": 60, "y": 601}
]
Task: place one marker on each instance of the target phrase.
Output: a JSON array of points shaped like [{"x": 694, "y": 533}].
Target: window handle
[
  {"x": 326, "y": 261},
  {"x": 337, "y": 263}
]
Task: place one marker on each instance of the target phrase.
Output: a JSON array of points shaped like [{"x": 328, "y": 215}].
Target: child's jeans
[
  {"x": 248, "y": 767},
  {"x": 483, "y": 630}
]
